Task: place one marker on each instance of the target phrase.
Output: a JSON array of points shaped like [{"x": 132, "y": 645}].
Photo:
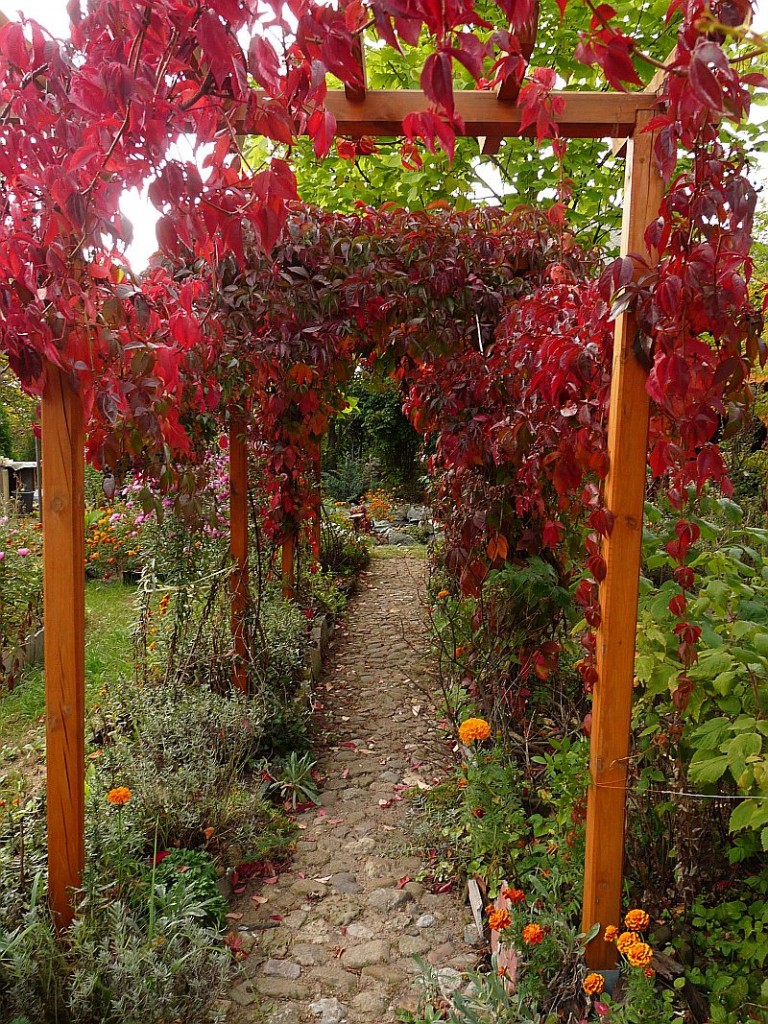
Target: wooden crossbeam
[
  {"x": 619, "y": 146},
  {"x": 586, "y": 115},
  {"x": 509, "y": 89},
  {"x": 356, "y": 93}
]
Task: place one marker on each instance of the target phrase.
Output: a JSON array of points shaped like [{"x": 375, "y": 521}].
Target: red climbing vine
[{"x": 158, "y": 361}]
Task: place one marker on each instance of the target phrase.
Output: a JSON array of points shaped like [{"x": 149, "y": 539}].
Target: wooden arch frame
[{"x": 358, "y": 111}]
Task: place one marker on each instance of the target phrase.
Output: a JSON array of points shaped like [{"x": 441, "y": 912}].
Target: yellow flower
[
  {"x": 533, "y": 934},
  {"x": 611, "y": 933},
  {"x": 594, "y": 984},
  {"x": 119, "y": 796},
  {"x": 474, "y": 729},
  {"x": 626, "y": 941},
  {"x": 637, "y": 920},
  {"x": 499, "y": 920},
  {"x": 640, "y": 955}
]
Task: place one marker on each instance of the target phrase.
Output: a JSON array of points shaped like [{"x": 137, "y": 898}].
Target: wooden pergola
[{"x": 488, "y": 117}]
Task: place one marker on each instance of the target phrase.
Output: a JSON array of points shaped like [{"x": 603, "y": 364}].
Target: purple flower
[
  {"x": 2, "y": 555},
  {"x": 23, "y": 552}
]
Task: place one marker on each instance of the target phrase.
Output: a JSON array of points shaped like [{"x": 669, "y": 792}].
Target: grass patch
[{"x": 109, "y": 616}]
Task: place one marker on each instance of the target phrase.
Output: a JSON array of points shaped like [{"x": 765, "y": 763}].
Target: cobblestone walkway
[{"x": 336, "y": 938}]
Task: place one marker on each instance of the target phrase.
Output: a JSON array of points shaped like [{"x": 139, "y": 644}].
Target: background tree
[
  {"x": 19, "y": 412},
  {"x": 6, "y": 444},
  {"x": 374, "y": 444}
]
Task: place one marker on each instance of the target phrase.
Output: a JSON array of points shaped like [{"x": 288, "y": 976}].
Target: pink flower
[
  {"x": 23, "y": 552},
  {"x": 2, "y": 555}
]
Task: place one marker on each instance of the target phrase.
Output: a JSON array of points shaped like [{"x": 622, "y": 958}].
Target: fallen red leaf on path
[
  {"x": 403, "y": 882},
  {"x": 271, "y": 881}
]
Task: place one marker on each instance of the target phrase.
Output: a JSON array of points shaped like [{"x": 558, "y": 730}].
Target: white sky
[{"x": 53, "y": 15}]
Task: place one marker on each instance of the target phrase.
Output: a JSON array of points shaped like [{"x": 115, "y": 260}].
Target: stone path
[{"x": 336, "y": 938}]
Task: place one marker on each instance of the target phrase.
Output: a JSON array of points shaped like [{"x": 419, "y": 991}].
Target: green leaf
[
  {"x": 750, "y": 814},
  {"x": 705, "y": 769}
]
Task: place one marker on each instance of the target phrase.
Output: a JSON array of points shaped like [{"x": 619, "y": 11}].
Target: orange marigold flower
[
  {"x": 637, "y": 920},
  {"x": 594, "y": 984},
  {"x": 499, "y": 920},
  {"x": 119, "y": 796},
  {"x": 640, "y": 955},
  {"x": 533, "y": 934},
  {"x": 443, "y": 593},
  {"x": 626, "y": 941},
  {"x": 611, "y": 933},
  {"x": 474, "y": 729},
  {"x": 514, "y": 895},
  {"x": 649, "y": 972}
]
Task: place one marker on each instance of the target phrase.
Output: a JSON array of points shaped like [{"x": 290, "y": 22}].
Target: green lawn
[{"x": 109, "y": 616}]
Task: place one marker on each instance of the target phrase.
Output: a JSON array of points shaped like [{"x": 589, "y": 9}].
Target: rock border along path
[{"x": 335, "y": 941}]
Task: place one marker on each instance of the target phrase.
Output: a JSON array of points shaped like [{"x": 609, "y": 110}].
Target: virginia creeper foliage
[{"x": 158, "y": 361}]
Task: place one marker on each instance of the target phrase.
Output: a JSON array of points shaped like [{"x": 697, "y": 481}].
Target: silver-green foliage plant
[
  {"x": 129, "y": 974},
  {"x": 183, "y": 752}
]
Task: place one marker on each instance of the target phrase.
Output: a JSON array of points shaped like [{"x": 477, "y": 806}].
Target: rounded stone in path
[{"x": 336, "y": 937}]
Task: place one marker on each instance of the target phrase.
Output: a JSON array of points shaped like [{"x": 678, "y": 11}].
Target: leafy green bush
[
  {"x": 738, "y": 926},
  {"x": 349, "y": 480},
  {"x": 21, "y": 588},
  {"x": 722, "y": 736},
  {"x": 342, "y": 551}
]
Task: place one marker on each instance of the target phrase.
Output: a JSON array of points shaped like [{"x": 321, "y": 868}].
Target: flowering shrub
[
  {"x": 21, "y": 589},
  {"x": 113, "y": 539},
  {"x": 379, "y": 503}
]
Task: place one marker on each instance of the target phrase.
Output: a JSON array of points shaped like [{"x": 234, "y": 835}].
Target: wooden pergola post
[
  {"x": 289, "y": 563},
  {"x": 317, "y": 511},
  {"x": 628, "y": 420},
  {"x": 238, "y": 547},
  {"x": 64, "y": 620}
]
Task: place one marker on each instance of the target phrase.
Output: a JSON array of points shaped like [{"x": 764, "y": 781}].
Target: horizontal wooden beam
[
  {"x": 509, "y": 88},
  {"x": 585, "y": 115},
  {"x": 356, "y": 93}
]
